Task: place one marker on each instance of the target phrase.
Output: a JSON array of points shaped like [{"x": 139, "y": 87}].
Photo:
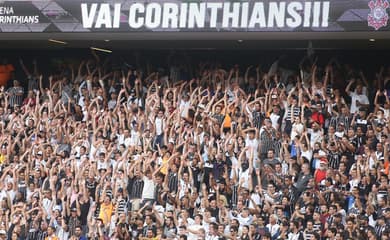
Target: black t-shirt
[
  {"x": 215, "y": 212},
  {"x": 361, "y": 122},
  {"x": 91, "y": 186},
  {"x": 84, "y": 209}
]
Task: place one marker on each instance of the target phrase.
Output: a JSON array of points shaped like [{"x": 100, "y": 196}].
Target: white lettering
[
  {"x": 117, "y": 15},
  {"x": 153, "y": 15},
  {"x": 276, "y": 13},
  {"x": 183, "y": 15},
  {"x": 170, "y": 13},
  {"x": 197, "y": 14},
  {"x": 6, "y": 10},
  {"x": 214, "y": 13},
  {"x": 244, "y": 15},
  {"x": 19, "y": 19},
  {"x": 239, "y": 14},
  {"x": 307, "y": 14},
  {"x": 325, "y": 14},
  {"x": 88, "y": 16},
  {"x": 316, "y": 14},
  {"x": 258, "y": 16},
  {"x": 234, "y": 15},
  {"x": 104, "y": 16},
  {"x": 134, "y": 9},
  {"x": 296, "y": 19}
]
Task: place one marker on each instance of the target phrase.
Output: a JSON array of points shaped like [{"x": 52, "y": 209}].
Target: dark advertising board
[{"x": 193, "y": 16}]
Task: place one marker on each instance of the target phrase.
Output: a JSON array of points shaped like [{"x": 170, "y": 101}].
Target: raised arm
[{"x": 348, "y": 88}]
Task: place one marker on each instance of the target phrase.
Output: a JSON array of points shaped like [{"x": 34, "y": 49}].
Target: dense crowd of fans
[{"x": 97, "y": 153}]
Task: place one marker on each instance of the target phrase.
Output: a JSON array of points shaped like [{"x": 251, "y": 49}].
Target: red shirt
[
  {"x": 319, "y": 175},
  {"x": 318, "y": 117}
]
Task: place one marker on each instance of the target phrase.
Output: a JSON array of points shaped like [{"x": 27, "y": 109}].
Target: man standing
[
  {"x": 358, "y": 98},
  {"x": 15, "y": 94},
  {"x": 303, "y": 178}
]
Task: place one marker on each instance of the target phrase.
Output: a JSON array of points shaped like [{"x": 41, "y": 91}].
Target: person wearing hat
[
  {"x": 320, "y": 173},
  {"x": 74, "y": 219}
]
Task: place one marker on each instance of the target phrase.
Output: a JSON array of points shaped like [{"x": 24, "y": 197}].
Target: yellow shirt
[
  {"x": 52, "y": 238},
  {"x": 164, "y": 169},
  {"x": 227, "y": 122},
  {"x": 2, "y": 158},
  {"x": 106, "y": 212}
]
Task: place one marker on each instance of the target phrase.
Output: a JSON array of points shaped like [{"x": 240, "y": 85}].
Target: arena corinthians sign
[{"x": 122, "y": 16}]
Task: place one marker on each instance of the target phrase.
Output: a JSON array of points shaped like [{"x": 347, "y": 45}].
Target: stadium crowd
[{"x": 97, "y": 153}]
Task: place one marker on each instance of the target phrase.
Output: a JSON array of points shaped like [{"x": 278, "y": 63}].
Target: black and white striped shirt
[
  {"x": 379, "y": 229},
  {"x": 35, "y": 234},
  {"x": 121, "y": 205},
  {"x": 135, "y": 187},
  {"x": 317, "y": 227},
  {"x": 15, "y": 96},
  {"x": 296, "y": 112},
  {"x": 234, "y": 195},
  {"x": 334, "y": 160},
  {"x": 256, "y": 119},
  {"x": 173, "y": 182},
  {"x": 336, "y": 120},
  {"x": 267, "y": 140}
]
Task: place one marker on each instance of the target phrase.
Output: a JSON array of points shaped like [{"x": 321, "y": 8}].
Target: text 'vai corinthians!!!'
[{"x": 291, "y": 14}]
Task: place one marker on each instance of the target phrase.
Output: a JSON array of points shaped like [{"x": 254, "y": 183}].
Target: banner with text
[{"x": 193, "y": 16}]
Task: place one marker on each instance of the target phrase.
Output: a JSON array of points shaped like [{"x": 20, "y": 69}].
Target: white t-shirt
[
  {"x": 315, "y": 137},
  {"x": 297, "y": 129},
  {"x": 194, "y": 227},
  {"x": 184, "y": 107},
  {"x": 307, "y": 154},
  {"x": 274, "y": 120},
  {"x": 184, "y": 187},
  {"x": 363, "y": 99},
  {"x": 46, "y": 203},
  {"x": 273, "y": 229},
  {"x": 256, "y": 199},
  {"x": 102, "y": 165},
  {"x": 252, "y": 144},
  {"x": 159, "y": 123},
  {"x": 134, "y": 140},
  {"x": 111, "y": 104},
  {"x": 149, "y": 188},
  {"x": 242, "y": 176}
]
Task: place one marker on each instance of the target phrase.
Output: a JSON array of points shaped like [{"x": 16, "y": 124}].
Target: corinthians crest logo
[{"x": 378, "y": 16}]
